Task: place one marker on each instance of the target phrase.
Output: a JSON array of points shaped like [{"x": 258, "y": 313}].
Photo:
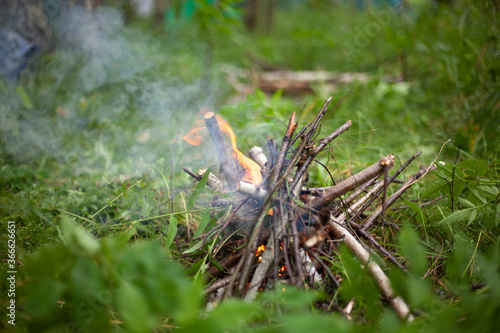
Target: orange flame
[
  {"x": 198, "y": 134},
  {"x": 260, "y": 249},
  {"x": 195, "y": 137}
]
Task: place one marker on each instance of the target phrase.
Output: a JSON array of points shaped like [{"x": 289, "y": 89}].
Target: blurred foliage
[
  {"x": 88, "y": 284},
  {"x": 93, "y": 133}
]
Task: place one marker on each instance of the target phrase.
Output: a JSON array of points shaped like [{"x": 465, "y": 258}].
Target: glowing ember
[
  {"x": 198, "y": 134},
  {"x": 282, "y": 270},
  {"x": 260, "y": 249}
]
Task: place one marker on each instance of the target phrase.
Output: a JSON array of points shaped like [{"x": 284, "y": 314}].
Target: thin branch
[
  {"x": 423, "y": 171},
  {"x": 226, "y": 263},
  {"x": 384, "y": 192},
  {"x": 363, "y": 233},
  {"x": 299, "y": 134},
  {"x": 428, "y": 203},
  {"x": 273, "y": 152},
  {"x": 310, "y": 132},
  {"x": 218, "y": 284},
  {"x": 191, "y": 173},
  {"x": 322, "y": 144},
  {"x": 284, "y": 215},
  {"x": 296, "y": 252},
  {"x": 361, "y": 203},
  {"x": 325, "y": 267},
  {"x": 292, "y": 125}
]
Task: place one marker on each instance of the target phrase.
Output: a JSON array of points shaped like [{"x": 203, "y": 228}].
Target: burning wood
[
  {"x": 251, "y": 190},
  {"x": 234, "y": 164},
  {"x": 257, "y": 154},
  {"x": 285, "y": 235}
]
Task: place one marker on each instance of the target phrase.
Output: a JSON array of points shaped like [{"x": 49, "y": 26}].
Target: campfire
[{"x": 279, "y": 231}]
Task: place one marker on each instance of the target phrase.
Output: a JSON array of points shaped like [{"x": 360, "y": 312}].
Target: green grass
[{"x": 98, "y": 140}]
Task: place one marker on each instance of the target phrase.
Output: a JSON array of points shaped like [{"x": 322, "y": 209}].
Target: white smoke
[{"x": 100, "y": 102}]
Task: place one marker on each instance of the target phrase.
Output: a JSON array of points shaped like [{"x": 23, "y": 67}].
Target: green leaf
[
  {"x": 78, "y": 238},
  {"x": 145, "y": 207},
  {"x": 435, "y": 189},
  {"x": 444, "y": 171},
  {"x": 458, "y": 187},
  {"x": 86, "y": 279},
  {"x": 472, "y": 216},
  {"x": 198, "y": 190},
  {"x": 24, "y": 97},
  {"x": 460, "y": 257},
  {"x": 489, "y": 191},
  {"x": 205, "y": 219},
  {"x": 303, "y": 322},
  {"x": 43, "y": 296},
  {"x": 478, "y": 166},
  {"x": 123, "y": 237},
  {"x": 134, "y": 309},
  {"x": 233, "y": 314},
  {"x": 417, "y": 210},
  {"x": 459, "y": 215},
  {"x": 467, "y": 203},
  {"x": 216, "y": 264},
  {"x": 172, "y": 231},
  {"x": 194, "y": 247},
  {"x": 412, "y": 250},
  {"x": 478, "y": 195}
]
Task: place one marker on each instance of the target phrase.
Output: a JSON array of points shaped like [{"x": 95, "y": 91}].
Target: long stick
[
  {"x": 381, "y": 278},
  {"x": 352, "y": 182},
  {"x": 360, "y": 231},
  {"x": 310, "y": 132},
  {"x": 284, "y": 218},
  {"x": 218, "y": 284},
  {"x": 296, "y": 252},
  {"x": 260, "y": 272},
  {"x": 353, "y": 196},
  {"x": 397, "y": 173}
]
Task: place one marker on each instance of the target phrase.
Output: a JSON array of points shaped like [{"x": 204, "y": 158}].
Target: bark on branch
[
  {"x": 378, "y": 274},
  {"x": 352, "y": 182}
]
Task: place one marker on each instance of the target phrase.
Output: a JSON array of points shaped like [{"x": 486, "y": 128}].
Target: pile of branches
[{"x": 299, "y": 226}]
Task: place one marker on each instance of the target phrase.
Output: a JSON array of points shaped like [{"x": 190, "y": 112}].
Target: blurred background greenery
[{"x": 91, "y": 130}]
